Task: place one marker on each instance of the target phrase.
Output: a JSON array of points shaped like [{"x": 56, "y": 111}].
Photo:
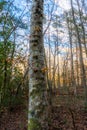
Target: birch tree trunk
[{"x": 37, "y": 117}]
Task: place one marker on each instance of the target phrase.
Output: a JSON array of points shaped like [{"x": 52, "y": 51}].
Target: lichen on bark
[{"x": 38, "y": 114}]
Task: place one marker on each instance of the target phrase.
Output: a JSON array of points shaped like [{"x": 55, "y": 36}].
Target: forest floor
[
  {"x": 64, "y": 118},
  {"x": 15, "y": 119},
  {"x": 67, "y": 114}
]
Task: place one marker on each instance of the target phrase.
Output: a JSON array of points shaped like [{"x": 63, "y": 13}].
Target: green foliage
[
  {"x": 2, "y": 3},
  {"x": 10, "y": 74},
  {"x": 34, "y": 124}
]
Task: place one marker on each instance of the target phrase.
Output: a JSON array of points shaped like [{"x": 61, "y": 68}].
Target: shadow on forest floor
[
  {"x": 64, "y": 118},
  {"x": 68, "y": 112},
  {"x": 15, "y": 119},
  {"x": 66, "y": 115}
]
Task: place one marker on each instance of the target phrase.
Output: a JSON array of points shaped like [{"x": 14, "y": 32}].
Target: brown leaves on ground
[
  {"x": 64, "y": 118},
  {"x": 15, "y": 119}
]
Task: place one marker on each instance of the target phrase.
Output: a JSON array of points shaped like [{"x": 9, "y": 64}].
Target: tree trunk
[
  {"x": 82, "y": 26},
  {"x": 69, "y": 26},
  {"x": 83, "y": 75},
  {"x": 37, "y": 116}
]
